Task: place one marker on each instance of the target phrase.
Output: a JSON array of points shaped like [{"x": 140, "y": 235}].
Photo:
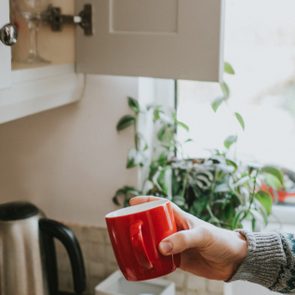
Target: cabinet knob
[{"x": 8, "y": 34}]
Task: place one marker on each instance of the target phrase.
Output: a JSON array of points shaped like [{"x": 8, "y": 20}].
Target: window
[{"x": 260, "y": 44}]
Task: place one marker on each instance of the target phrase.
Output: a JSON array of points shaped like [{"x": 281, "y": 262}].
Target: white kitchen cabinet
[
  {"x": 39, "y": 89},
  {"x": 5, "y": 51},
  {"x": 176, "y": 39}
]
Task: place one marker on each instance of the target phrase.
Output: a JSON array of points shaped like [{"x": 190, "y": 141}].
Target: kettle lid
[{"x": 17, "y": 210}]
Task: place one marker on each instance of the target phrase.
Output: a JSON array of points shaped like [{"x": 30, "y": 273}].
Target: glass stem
[{"x": 33, "y": 51}]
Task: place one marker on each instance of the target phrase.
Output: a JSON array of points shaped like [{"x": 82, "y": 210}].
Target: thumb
[{"x": 183, "y": 240}]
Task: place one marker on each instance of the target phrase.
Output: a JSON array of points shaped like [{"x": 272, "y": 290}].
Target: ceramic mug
[{"x": 135, "y": 234}]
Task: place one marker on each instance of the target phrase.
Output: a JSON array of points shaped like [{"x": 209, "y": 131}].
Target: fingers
[{"x": 183, "y": 240}]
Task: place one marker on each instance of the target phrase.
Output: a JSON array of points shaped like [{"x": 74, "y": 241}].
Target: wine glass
[{"x": 31, "y": 11}]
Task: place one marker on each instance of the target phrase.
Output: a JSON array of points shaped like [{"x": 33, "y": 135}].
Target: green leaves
[
  {"x": 125, "y": 193},
  {"x": 217, "y": 189},
  {"x": 232, "y": 163},
  {"x": 275, "y": 172},
  {"x": 228, "y": 69},
  {"x": 225, "y": 90},
  {"x": 265, "y": 200},
  {"x": 157, "y": 114},
  {"x": 238, "y": 218},
  {"x": 166, "y": 133},
  {"x": 240, "y": 120},
  {"x": 133, "y": 105},
  {"x": 142, "y": 144},
  {"x": 161, "y": 180},
  {"x": 182, "y": 125},
  {"x": 131, "y": 160},
  {"x": 125, "y": 122},
  {"x": 273, "y": 177},
  {"x": 135, "y": 158},
  {"x": 217, "y": 103},
  {"x": 129, "y": 120},
  {"x": 230, "y": 140}
]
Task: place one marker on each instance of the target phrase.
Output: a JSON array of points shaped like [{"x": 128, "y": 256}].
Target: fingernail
[{"x": 166, "y": 247}]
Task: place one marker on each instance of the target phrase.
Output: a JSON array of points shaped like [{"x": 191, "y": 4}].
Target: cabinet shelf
[{"x": 38, "y": 89}]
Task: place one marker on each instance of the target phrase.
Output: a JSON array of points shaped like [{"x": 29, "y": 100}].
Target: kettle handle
[{"x": 50, "y": 229}]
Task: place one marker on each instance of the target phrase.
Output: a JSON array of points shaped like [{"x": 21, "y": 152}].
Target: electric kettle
[{"x": 28, "y": 263}]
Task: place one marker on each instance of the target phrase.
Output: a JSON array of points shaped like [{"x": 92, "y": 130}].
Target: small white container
[{"x": 116, "y": 284}]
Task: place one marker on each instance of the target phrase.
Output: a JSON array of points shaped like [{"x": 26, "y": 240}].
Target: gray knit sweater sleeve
[{"x": 270, "y": 261}]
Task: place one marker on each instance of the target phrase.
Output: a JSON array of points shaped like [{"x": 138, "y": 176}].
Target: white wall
[{"x": 69, "y": 161}]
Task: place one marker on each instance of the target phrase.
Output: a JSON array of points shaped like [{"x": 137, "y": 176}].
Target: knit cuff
[{"x": 264, "y": 260}]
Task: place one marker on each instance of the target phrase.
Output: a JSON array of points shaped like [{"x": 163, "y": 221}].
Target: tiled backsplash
[{"x": 100, "y": 262}]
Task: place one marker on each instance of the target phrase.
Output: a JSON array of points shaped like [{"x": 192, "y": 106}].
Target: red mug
[{"x": 135, "y": 234}]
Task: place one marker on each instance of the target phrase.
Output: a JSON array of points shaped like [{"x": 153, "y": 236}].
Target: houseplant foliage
[{"x": 219, "y": 189}]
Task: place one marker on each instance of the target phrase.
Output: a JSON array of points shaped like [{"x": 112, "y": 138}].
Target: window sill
[{"x": 283, "y": 214}]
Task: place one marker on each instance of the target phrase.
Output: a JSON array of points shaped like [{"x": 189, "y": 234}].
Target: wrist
[
  {"x": 240, "y": 253},
  {"x": 264, "y": 260},
  {"x": 242, "y": 248}
]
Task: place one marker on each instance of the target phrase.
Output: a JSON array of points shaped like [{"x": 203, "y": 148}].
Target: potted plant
[{"x": 219, "y": 189}]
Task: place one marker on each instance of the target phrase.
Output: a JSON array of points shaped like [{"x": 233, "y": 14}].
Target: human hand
[{"x": 206, "y": 250}]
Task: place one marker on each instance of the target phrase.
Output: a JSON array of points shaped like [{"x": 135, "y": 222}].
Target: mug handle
[{"x": 138, "y": 245}]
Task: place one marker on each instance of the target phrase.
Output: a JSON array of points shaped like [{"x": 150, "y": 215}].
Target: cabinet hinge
[{"x": 56, "y": 20}]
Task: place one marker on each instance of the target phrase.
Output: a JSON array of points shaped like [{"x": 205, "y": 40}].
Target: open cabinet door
[
  {"x": 5, "y": 51},
  {"x": 178, "y": 39}
]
